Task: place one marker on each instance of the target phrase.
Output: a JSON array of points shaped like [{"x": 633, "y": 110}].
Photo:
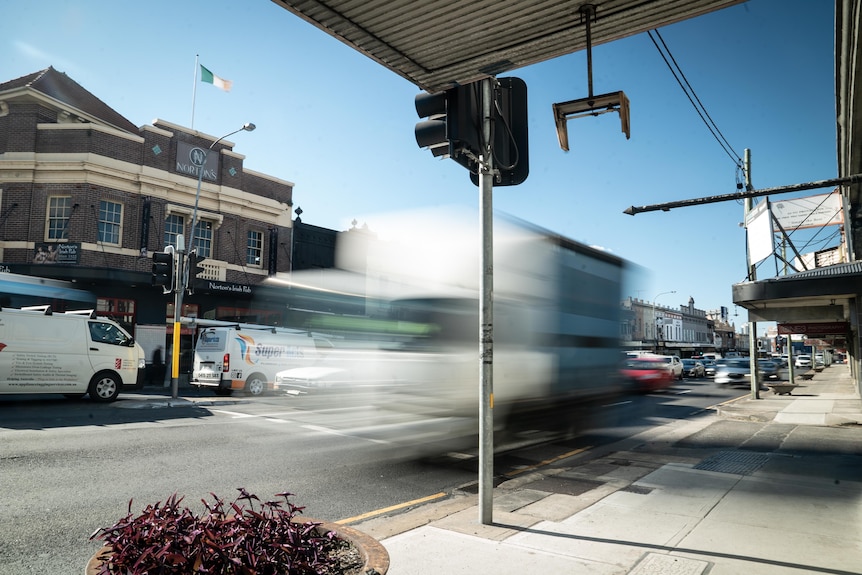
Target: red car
[{"x": 647, "y": 374}]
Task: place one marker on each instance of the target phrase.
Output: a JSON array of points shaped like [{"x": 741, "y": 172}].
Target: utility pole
[{"x": 752, "y": 276}]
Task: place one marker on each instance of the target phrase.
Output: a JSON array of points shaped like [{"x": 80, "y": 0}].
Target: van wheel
[
  {"x": 255, "y": 384},
  {"x": 104, "y": 387}
]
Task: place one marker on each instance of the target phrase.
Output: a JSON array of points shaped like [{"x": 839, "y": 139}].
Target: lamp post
[
  {"x": 182, "y": 262},
  {"x": 654, "y": 318}
]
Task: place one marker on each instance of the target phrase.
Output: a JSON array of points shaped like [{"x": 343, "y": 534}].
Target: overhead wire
[{"x": 683, "y": 82}]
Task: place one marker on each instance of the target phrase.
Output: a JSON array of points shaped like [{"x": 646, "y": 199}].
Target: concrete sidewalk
[{"x": 769, "y": 486}]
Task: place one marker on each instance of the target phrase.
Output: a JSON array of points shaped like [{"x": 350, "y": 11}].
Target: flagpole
[{"x": 194, "y": 90}]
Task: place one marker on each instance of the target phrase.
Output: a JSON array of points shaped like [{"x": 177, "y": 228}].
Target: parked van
[
  {"x": 247, "y": 357},
  {"x": 73, "y": 353}
]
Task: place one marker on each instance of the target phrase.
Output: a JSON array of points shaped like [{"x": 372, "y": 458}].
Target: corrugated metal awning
[{"x": 438, "y": 43}]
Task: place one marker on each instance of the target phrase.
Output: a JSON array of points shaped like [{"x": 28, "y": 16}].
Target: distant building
[{"x": 683, "y": 331}]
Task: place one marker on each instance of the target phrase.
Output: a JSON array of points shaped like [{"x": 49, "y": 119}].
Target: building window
[
  {"x": 203, "y": 238},
  {"x": 110, "y": 220},
  {"x": 174, "y": 225},
  {"x": 254, "y": 248},
  {"x": 59, "y": 212}
]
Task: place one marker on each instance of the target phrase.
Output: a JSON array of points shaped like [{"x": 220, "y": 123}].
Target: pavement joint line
[
  {"x": 548, "y": 461},
  {"x": 717, "y": 406},
  {"x": 396, "y": 507}
]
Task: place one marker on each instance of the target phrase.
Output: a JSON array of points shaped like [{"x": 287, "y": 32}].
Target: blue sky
[{"x": 340, "y": 127}]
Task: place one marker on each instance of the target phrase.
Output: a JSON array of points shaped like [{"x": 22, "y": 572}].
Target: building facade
[
  {"x": 86, "y": 196},
  {"x": 685, "y": 330}
]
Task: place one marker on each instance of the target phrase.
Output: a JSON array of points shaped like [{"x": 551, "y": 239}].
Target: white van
[
  {"x": 247, "y": 357},
  {"x": 73, "y": 353}
]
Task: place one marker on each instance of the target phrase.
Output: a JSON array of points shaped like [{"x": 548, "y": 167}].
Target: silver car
[{"x": 736, "y": 371}]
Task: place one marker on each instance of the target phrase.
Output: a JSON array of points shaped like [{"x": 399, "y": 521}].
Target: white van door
[
  {"x": 111, "y": 351},
  {"x": 209, "y": 357}
]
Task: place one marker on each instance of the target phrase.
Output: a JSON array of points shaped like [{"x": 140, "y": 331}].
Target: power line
[{"x": 692, "y": 97}]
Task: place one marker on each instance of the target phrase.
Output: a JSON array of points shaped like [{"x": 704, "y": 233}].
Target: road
[{"x": 68, "y": 467}]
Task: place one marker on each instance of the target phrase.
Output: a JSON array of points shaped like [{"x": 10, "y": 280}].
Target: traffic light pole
[
  {"x": 182, "y": 270},
  {"x": 486, "y": 312},
  {"x": 181, "y": 281}
]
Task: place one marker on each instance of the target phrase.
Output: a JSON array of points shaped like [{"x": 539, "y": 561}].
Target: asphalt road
[{"x": 68, "y": 467}]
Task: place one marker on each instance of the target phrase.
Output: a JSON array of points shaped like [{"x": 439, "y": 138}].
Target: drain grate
[{"x": 735, "y": 462}]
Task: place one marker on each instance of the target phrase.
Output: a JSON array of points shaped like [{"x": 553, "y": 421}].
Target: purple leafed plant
[{"x": 235, "y": 539}]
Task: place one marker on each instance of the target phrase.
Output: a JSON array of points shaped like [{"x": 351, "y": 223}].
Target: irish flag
[{"x": 210, "y": 78}]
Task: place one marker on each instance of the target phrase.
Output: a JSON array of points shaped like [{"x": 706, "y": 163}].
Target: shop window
[
  {"x": 120, "y": 310},
  {"x": 189, "y": 310}
]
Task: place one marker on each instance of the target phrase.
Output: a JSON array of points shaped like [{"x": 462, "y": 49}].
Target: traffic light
[
  {"x": 195, "y": 268},
  {"x": 453, "y": 128},
  {"x": 195, "y": 263},
  {"x": 163, "y": 269}
]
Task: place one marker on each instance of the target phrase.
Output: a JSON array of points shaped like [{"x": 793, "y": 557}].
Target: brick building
[{"x": 87, "y": 197}]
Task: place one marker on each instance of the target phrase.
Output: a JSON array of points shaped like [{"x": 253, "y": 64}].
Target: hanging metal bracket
[{"x": 591, "y": 105}]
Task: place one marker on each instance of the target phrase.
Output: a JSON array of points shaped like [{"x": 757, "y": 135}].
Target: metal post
[
  {"x": 181, "y": 282},
  {"x": 790, "y": 367},
  {"x": 486, "y": 315},
  {"x": 752, "y": 276}
]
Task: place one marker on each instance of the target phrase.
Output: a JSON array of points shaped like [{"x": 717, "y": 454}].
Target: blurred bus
[{"x": 556, "y": 322}]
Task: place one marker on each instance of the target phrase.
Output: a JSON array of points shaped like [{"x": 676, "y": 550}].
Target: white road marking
[
  {"x": 234, "y": 414},
  {"x": 331, "y": 431},
  {"x": 616, "y": 404}
]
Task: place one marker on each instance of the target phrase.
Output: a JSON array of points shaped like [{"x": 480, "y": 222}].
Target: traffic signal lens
[
  {"x": 431, "y": 134},
  {"x": 163, "y": 270}
]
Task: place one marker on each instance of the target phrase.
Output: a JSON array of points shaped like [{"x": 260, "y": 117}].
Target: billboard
[
  {"x": 758, "y": 222},
  {"x": 811, "y": 212}
]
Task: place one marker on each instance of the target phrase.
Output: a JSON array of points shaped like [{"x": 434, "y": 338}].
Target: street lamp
[
  {"x": 182, "y": 262},
  {"x": 248, "y": 127},
  {"x": 654, "y": 318}
]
